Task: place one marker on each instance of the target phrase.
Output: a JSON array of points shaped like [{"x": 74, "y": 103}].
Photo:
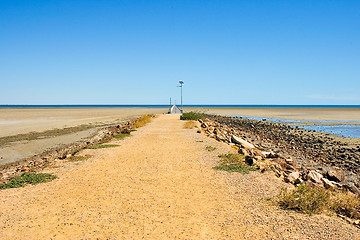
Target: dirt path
[{"x": 158, "y": 184}]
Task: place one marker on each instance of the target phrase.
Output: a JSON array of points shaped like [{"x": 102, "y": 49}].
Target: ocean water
[
  {"x": 195, "y": 105},
  {"x": 339, "y": 128}
]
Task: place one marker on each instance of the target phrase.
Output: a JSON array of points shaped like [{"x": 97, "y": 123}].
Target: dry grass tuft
[
  {"x": 189, "y": 124},
  {"x": 347, "y": 204},
  {"x": 78, "y": 158},
  {"x": 142, "y": 121},
  {"x": 102, "y": 146},
  {"x": 304, "y": 198},
  {"x": 210, "y": 148},
  {"x": 234, "y": 162},
  {"x": 311, "y": 199}
]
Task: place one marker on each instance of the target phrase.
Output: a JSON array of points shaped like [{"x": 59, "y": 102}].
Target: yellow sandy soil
[{"x": 159, "y": 184}]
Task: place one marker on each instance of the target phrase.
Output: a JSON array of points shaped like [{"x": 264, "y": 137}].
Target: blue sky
[{"x": 134, "y": 52}]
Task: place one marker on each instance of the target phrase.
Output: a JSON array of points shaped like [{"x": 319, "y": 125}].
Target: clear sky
[{"x": 134, "y": 52}]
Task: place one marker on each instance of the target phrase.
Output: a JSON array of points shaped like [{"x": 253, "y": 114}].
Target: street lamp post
[{"x": 181, "y": 84}]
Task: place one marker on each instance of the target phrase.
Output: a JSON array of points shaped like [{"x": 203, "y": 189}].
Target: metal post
[
  {"x": 181, "y": 85},
  {"x": 181, "y": 101}
]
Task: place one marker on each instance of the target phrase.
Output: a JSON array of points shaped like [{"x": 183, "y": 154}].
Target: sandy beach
[
  {"x": 55, "y": 127},
  {"x": 341, "y": 114}
]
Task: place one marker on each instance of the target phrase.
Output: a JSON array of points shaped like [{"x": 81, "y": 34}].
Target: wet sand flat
[
  {"x": 24, "y": 120},
  {"x": 55, "y": 127},
  {"x": 341, "y": 114}
]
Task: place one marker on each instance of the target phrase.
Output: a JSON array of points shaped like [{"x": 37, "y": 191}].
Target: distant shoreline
[{"x": 165, "y": 105}]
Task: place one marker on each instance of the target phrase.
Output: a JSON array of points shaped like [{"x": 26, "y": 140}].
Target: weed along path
[{"x": 158, "y": 184}]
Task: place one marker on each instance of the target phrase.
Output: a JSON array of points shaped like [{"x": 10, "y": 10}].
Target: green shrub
[
  {"x": 304, "y": 198},
  {"x": 28, "y": 178},
  {"x": 192, "y": 116}
]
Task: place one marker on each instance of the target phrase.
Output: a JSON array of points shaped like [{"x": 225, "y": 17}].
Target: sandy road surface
[{"x": 158, "y": 184}]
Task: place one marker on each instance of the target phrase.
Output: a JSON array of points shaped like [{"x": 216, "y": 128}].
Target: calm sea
[
  {"x": 339, "y": 128},
  {"x": 162, "y": 106}
]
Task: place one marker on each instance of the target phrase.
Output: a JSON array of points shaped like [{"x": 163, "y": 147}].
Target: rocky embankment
[
  {"x": 38, "y": 162},
  {"x": 295, "y": 155}
]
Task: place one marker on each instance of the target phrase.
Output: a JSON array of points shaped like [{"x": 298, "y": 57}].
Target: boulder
[
  {"x": 242, "y": 142},
  {"x": 335, "y": 175},
  {"x": 289, "y": 161},
  {"x": 270, "y": 154},
  {"x": 293, "y": 177},
  {"x": 351, "y": 187},
  {"x": 250, "y": 160},
  {"x": 276, "y": 169},
  {"x": 243, "y": 151},
  {"x": 314, "y": 176},
  {"x": 328, "y": 184}
]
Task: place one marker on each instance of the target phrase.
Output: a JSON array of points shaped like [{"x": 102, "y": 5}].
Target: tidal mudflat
[{"x": 25, "y": 132}]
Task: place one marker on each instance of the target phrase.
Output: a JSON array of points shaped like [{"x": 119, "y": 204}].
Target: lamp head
[{"x": 181, "y": 81}]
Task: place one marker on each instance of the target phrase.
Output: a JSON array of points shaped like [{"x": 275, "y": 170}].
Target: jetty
[{"x": 158, "y": 184}]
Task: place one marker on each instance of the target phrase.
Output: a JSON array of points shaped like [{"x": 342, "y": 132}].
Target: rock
[
  {"x": 315, "y": 177},
  {"x": 328, "y": 184},
  {"x": 235, "y": 147},
  {"x": 289, "y": 161},
  {"x": 250, "y": 160},
  {"x": 351, "y": 186},
  {"x": 276, "y": 169},
  {"x": 270, "y": 154},
  {"x": 243, "y": 151},
  {"x": 242, "y": 142},
  {"x": 335, "y": 175},
  {"x": 25, "y": 169},
  {"x": 293, "y": 177}
]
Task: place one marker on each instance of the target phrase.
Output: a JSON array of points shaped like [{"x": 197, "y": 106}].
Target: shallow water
[{"x": 339, "y": 128}]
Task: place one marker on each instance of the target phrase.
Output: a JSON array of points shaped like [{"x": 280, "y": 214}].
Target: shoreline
[
  {"x": 346, "y": 114},
  {"x": 311, "y": 150}
]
